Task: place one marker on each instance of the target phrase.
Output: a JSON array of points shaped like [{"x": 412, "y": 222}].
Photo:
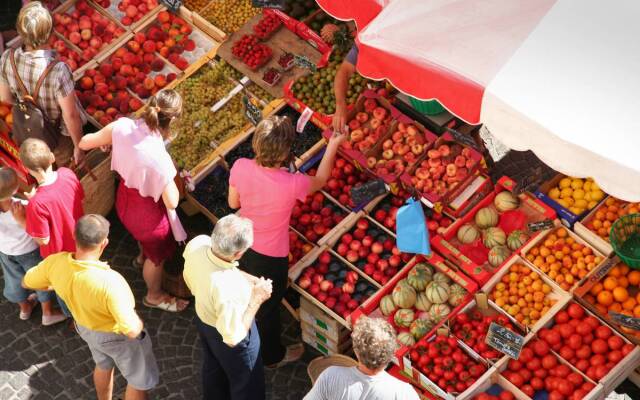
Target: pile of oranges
[
  {"x": 607, "y": 213},
  {"x": 617, "y": 292},
  {"x": 563, "y": 259},
  {"x": 523, "y": 294}
]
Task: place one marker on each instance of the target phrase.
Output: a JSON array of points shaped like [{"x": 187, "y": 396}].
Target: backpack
[{"x": 29, "y": 121}]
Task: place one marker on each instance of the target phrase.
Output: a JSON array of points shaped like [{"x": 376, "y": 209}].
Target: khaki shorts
[{"x": 133, "y": 357}]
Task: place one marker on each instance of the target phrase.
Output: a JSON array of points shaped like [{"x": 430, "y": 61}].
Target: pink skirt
[{"x": 147, "y": 221}]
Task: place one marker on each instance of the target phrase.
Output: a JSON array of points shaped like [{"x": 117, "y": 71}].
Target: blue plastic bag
[{"x": 411, "y": 229}]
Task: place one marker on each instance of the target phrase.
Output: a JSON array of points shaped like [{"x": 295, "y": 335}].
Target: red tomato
[
  {"x": 506, "y": 395},
  {"x": 528, "y": 390},
  {"x": 575, "y": 311},
  {"x": 603, "y": 332},
  {"x": 575, "y": 341},
  {"x": 582, "y": 365},
  {"x": 537, "y": 383},
  {"x": 562, "y": 370},
  {"x": 599, "y": 346},
  {"x": 526, "y": 355},
  {"x": 525, "y": 374},
  {"x": 562, "y": 317},
  {"x": 591, "y": 373},
  {"x": 601, "y": 371},
  {"x": 567, "y": 353},
  {"x": 587, "y": 339},
  {"x": 483, "y": 396},
  {"x": 565, "y": 388},
  {"x": 556, "y": 395},
  {"x": 583, "y": 328},
  {"x": 541, "y": 373},
  {"x": 598, "y": 359},
  {"x": 614, "y": 356},
  {"x": 583, "y": 352},
  {"x": 516, "y": 379},
  {"x": 514, "y": 365},
  {"x": 579, "y": 394},
  {"x": 540, "y": 348},
  {"x": 615, "y": 342},
  {"x": 588, "y": 386},
  {"x": 567, "y": 330},
  {"x": 549, "y": 361},
  {"x": 553, "y": 338},
  {"x": 575, "y": 378},
  {"x": 627, "y": 348},
  {"x": 592, "y": 321},
  {"x": 534, "y": 364}
]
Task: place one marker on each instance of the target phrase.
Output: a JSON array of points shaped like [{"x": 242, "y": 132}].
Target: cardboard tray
[
  {"x": 317, "y": 118},
  {"x": 449, "y": 246}
]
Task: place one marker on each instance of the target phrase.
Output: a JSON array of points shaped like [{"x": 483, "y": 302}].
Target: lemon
[
  {"x": 563, "y": 203},
  {"x": 597, "y": 195},
  {"x": 576, "y": 210},
  {"x": 570, "y": 201},
  {"x": 578, "y": 194},
  {"x": 587, "y": 196},
  {"x": 576, "y": 183},
  {"x": 587, "y": 186},
  {"x": 566, "y": 192},
  {"x": 564, "y": 183},
  {"x": 554, "y": 193},
  {"x": 580, "y": 203},
  {"x": 594, "y": 186},
  {"x": 592, "y": 204}
]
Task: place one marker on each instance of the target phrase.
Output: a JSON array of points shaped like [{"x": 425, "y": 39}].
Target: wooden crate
[
  {"x": 117, "y": 14},
  {"x": 494, "y": 384},
  {"x": 336, "y": 346},
  {"x": 216, "y": 162},
  {"x": 324, "y": 348},
  {"x": 322, "y": 322}
]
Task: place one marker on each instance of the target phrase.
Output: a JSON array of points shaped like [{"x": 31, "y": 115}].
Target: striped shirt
[{"x": 348, "y": 383}]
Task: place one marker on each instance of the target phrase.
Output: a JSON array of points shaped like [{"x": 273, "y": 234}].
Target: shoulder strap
[
  {"x": 36, "y": 92},
  {"x": 21, "y": 86}
]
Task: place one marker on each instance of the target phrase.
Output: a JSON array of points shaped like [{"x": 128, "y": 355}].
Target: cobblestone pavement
[{"x": 45, "y": 363}]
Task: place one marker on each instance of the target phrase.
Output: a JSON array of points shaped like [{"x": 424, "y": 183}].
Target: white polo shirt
[{"x": 14, "y": 240}]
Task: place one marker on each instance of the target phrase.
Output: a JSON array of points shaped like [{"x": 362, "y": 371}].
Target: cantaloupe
[
  {"x": 505, "y": 201},
  {"x": 387, "y": 306},
  {"x": 517, "y": 239},
  {"x": 406, "y": 339},
  {"x": 422, "y": 302},
  {"x": 441, "y": 277},
  {"x": 418, "y": 277},
  {"x": 493, "y": 237},
  {"x": 468, "y": 233},
  {"x": 404, "y": 317},
  {"x": 486, "y": 217},
  {"x": 404, "y": 296},
  {"x": 498, "y": 255},
  {"x": 437, "y": 292},
  {"x": 456, "y": 294},
  {"x": 420, "y": 327},
  {"x": 439, "y": 312}
]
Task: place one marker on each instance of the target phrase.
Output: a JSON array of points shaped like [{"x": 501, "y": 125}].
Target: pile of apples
[
  {"x": 70, "y": 57},
  {"x": 133, "y": 10},
  {"x": 368, "y": 127},
  {"x": 372, "y": 250},
  {"x": 86, "y": 28},
  {"x": 399, "y": 152},
  {"x": 335, "y": 285},
  {"x": 444, "y": 168},
  {"x": 298, "y": 248},
  {"x": 251, "y": 52},
  {"x": 171, "y": 35},
  {"x": 344, "y": 176},
  {"x": 267, "y": 26},
  {"x": 316, "y": 216}
]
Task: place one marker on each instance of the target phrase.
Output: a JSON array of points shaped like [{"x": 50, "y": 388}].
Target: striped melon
[
  {"x": 438, "y": 312},
  {"x": 505, "y": 201},
  {"x": 441, "y": 277},
  {"x": 517, "y": 239},
  {"x": 456, "y": 294},
  {"x": 418, "y": 277},
  {"x": 422, "y": 303},
  {"x": 387, "y": 306},
  {"x": 437, "y": 292},
  {"x": 406, "y": 339},
  {"x": 420, "y": 327},
  {"x": 498, "y": 255},
  {"x": 404, "y": 296},
  {"x": 468, "y": 233},
  {"x": 493, "y": 237},
  {"x": 486, "y": 217},
  {"x": 404, "y": 317}
]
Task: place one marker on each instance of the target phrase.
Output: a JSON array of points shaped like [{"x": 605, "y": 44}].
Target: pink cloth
[
  {"x": 267, "y": 197},
  {"x": 141, "y": 159}
]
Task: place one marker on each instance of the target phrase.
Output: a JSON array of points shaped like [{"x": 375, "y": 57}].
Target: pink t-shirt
[{"x": 267, "y": 197}]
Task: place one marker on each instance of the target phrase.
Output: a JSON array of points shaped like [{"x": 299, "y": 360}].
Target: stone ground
[{"x": 54, "y": 363}]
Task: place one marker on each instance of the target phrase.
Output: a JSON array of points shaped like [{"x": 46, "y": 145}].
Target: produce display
[
  {"x": 86, "y": 28},
  {"x": 196, "y": 5},
  {"x": 400, "y": 151},
  {"x": 243, "y": 150},
  {"x": 298, "y": 248},
  {"x": 299, "y": 9},
  {"x": 420, "y": 301},
  {"x": 198, "y": 127},
  {"x": 368, "y": 127},
  {"x": 69, "y": 56},
  {"x": 606, "y": 214},
  {"x": 320, "y": 20},
  {"x": 267, "y": 26},
  {"x": 306, "y": 139},
  {"x": 504, "y": 395},
  {"x": 6, "y": 118},
  {"x": 286, "y": 61},
  {"x": 271, "y": 76},
  {"x": 523, "y": 294},
  {"x": 446, "y": 364},
  {"x": 251, "y": 52},
  {"x": 213, "y": 191},
  {"x": 576, "y": 194},
  {"x": 372, "y": 250},
  {"x": 172, "y": 37},
  {"x": 563, "y": 259},
  {"x": 129, "y": 11},
  {"x": 229, "y": 15},
  {"x": 344, "y": 176},
  {"x": 334, "y": 284},
  {"x": 316, "y": 216},
  {"x": 472, "y": 326}
]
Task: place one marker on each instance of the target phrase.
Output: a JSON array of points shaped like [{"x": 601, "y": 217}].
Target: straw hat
[{"x": 319, "y": 364}]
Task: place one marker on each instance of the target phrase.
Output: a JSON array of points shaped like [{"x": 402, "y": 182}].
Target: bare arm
[
  {"x": 233, "y": 198},
  {"x": 326, "y": 165},
  {"x": 171, "y": 196},
  {"x": 5, "y": 94},
  {"x": 42, "y": 241},
  {"x": 340, "y": 88},
  {"x": 260, "y": 293},
  {"x": 71, "y": 117},
  {"x": 98, "y": 139}
]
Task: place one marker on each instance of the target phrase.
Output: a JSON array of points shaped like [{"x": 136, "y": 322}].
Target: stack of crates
[{"x": 322, "y": 332}]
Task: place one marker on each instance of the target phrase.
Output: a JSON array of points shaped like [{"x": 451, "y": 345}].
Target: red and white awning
[{"x": 559, "y": 77}]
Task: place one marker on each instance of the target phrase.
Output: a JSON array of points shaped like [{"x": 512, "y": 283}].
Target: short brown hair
[
  {"x": 8, "y": 182},
  {"x": 272, "y": 141},
  {"x": 91, "y": 230},
  {"x": 34, "y": 24},
  {"x": 36, "y": 155}
]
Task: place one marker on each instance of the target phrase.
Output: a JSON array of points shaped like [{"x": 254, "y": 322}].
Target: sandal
[
  {"x": 32, "y": 300},
  {"x": 169, "y": 306},
  {"x": 294, "y": 353},
  {"x": 48, "y": 320},
  {"x": 136, "y": 263}
]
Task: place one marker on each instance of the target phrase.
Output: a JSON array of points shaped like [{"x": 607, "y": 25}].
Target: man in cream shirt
[{"x": 227, "y": 300}]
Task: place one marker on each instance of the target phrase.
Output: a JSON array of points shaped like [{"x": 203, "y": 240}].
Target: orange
[
  {"x": 636, "y": 311},
  {"x": 624, "y": 269},
  {"x": 615, "y": 307},
  {"x": 629, "y": 304},
  {"x": 615, "y": 271},
  {"x": 634, "y": 278},
  {"x": 595, "y": 289},
  {"x": 610, "y": 283},
  {"x": 620, "y": 294},
  {"x": 605, "y": 298},
  {"x": 623, "y": 281}
]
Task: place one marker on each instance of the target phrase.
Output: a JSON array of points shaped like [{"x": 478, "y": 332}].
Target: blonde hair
[
  {"x": 272, "y": 141},
  {"x": 8, "y": 182},
  {"x": 34, "y": 24},
  {"x": 162, "y": 108},
  {"x": 36, "y": 155}
]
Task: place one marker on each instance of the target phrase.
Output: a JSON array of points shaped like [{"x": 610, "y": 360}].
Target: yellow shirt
[
  {"x": 98, "y": 297},
  {"x": 222, "y": 292}
]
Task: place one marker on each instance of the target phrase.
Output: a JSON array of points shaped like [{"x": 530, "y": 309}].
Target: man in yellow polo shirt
[{"x": 103, "y": 308}]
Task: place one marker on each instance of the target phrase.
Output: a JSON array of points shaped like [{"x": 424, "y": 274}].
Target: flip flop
[
  {"x": 31, "y": 299},
  {"x": 171, "y": 306},
  {"x": 289, "y": 356}
]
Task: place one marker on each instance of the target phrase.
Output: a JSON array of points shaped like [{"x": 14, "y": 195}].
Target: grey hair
[
  {"x": 231, "y": 235},
  {"x": 374, "y": 342}
]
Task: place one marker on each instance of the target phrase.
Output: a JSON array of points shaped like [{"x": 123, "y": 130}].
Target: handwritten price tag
[
  {"x": 173, "y": 5},
  {"x": 625, "y": 320},
  {"x": 304, "y": 62},
  {"x": 251, "y": 111},
  {"x": 504, "y": 340},
  {"x": 540, "y": 225},
  {"x": 279, "y": 4}
]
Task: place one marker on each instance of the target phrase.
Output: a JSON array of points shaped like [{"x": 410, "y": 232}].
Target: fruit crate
[
  {"x": 479, "y": 188},
  {"x": 299, "y": 248},
  {"x": 609, "y": 210},
  {"x": 312, "y": 37},
  {"x": 434, "y": 159},
  {"x": 320, "y": 225},
  {"x": 317, "y": 118},
  {"x": 349, "y": 242},
  {"x": 510, "y": 212},
  {"x": 126, "y": 17},
  {"x": 567, "y": 217},
  {"x": 306, "y": 279},
  {"x": 612, "y": 375},
  {"x": 540, "y": 262},
  {"x": 323, "y": 343},
  {"x": 412, "y": 369},
  {"x": 309, "y": 142},
  {"x": 233, "y": 14},
  {"x": 553, "y": 293},
  {"x": 321, "y": 322},
  {"x": 200, "y": 196},
  {"x": 372, "y": 307},
  {"x": 493, "y": 385},
  {"x": 587, "y": 294}
]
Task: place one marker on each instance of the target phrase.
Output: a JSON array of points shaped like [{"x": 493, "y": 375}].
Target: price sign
[
  {"x": 368, "y": 191},
  {"x": 530, "y": 182},
  {"x": 625, "y": 320},
  {"x": 540, "y": 225},
  {"x": 464, "y": 139},
  {"x": 173, "y": 5},
  {"x": 504, "y": 340},
  {"x": 252, "y": 112},
  {"x": 602, "y": 271},
  {"x": 279, "y": 4},
  {"x": 304, "y": 62}
]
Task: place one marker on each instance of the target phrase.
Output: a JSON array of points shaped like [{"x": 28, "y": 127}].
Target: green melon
[
  {"x": 422, "y": 302},
  {"x": 505, "y": 201},
  {"x": 517, "y": 239},
  {"x": 420, "y": 327},
  {"x": 418, "y": 277},
  {"x": 441, "y": 277},
  {"x": 493, "y": 237},
  {"x": 387, "y": 306},
  {"x": 438, "y": 312},
  {"x": 457, "y": 294},
  {"x": 404, "y": 296},
  {"x": 437, "y": 292},
  {"x": 486, "y": 217},
  {"x": 498, "y": 255},
  {"x": 468, "y": 233},
  {"x": 404, "y": 317},
  {"x": 406, "y": 339}
]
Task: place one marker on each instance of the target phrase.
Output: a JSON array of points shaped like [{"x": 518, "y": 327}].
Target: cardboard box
[
  {"x": 325, "y": 341},
  {"x": 322, "y": 322}
]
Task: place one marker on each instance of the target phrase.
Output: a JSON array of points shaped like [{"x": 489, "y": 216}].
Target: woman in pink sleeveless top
[
  {"x": 265, "y": 191},
  {"x": 147, "y": 195}
]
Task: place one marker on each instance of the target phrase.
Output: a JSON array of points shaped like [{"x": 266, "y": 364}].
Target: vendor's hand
[
  {"x": 340, "y": 119},
  {"x": 19, "y": 212},
  {"x": 262, "y": 290},
  {"x": 338, "y": 138},
  {"x": 78, "y": 155}
]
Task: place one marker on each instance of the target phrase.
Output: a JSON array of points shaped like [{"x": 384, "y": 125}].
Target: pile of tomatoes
[
  {"x": 471, "y": 327},
  {"x": 446, "y": 364},
  {"x": 504, "y": 395}
]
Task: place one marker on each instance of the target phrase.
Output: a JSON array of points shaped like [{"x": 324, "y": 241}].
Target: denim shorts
[{"x": 14, "y": 268}]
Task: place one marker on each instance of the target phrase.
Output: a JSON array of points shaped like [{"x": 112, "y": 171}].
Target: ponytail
[{"x": 162, "y": 108}]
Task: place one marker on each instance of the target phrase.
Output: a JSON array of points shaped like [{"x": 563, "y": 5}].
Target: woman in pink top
[
  {"x": 266, "y": 193},
  {"x": 147, "y": 195}
]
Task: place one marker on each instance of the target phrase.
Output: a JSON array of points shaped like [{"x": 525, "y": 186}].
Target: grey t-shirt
[{"x": 348, "y": 383}]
